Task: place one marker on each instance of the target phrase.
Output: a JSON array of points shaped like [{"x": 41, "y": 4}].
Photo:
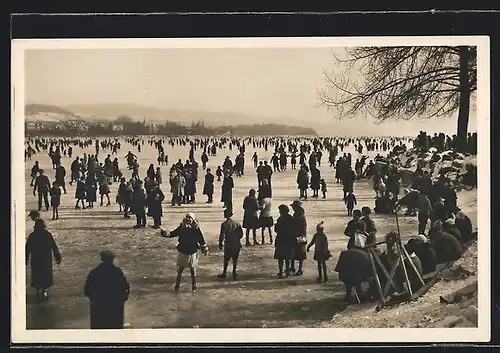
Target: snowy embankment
[
  {"x": 434, "y": 162},
  {"x": 442, "y": 305}
]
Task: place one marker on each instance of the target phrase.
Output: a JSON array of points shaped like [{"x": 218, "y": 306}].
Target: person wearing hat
[
  {"x": 300, "y": 232},
  {"x": 208, "y": 185},
  {"x": 354, "y": 226},
  {"x": 177, "y": 183},
  {"x": 303, "y": 182},
  {"x": 107, "y": 289},
  {"x": 190, "y": 240},
  {"x": 227, "y": 190},
  {"x": 371, "y": 239},
  {"x": 34, "y": 172},
  {"x": 284, "y": 241},
  {"x": 464, "y": 225},
  {"x": 450, "y": 227},
  {"x": 251, "y": 216},
  {"x": 140, "y": 202},
  {"x": 446, "y": 246},
  {"x": 155, "y": 198},
  {"x": 42, "y": 185},
  {"x": 420, "y": 245},
  {"x": 321, "y": 251},
  {"x": 40, "y": 247},
  {"x": 230, "y": 236},
  {"x": 34, "y": 215}
]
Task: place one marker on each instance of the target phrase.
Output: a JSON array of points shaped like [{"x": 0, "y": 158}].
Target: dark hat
[
  {"x": 34, "y": 213},
  {"x": 284, "y": 208},
  {"x": 39, "y": 224},
  {"x": 107, "y": 255},
  {"x": 366, "y": 210},
  {"x": 296, "y": 203}
]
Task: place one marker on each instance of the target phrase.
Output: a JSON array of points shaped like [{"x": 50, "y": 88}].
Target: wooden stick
[
  {"x": 384, "y": 271},
  {"x": 413, "y": 265},
  {"x": 404, "y": 269},
  {"x": 390, "y": 281},
  {"x": 398, "y": 242},
  {"x": 379, "y": 286}
]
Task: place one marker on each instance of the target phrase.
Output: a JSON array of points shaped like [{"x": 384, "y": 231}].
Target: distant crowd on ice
[{"x": 434, "y": 201}]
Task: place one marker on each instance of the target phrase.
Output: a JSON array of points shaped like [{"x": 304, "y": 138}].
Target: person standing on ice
[
  {"x": 190, "y": 240},
  {"x": 107, "y": 289},
  {"x": 40, "y": 247},
  {"x": 230, "y": 236}
]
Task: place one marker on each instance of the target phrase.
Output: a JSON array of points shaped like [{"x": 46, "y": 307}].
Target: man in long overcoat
[{"x": 108, "y": 290}]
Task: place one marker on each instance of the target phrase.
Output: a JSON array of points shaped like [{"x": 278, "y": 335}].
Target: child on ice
[
  {"x": 350, "y": 202},
  {"x": 322, "y": 183},
  {"x": 321, "y": 252},
  {"x": 55, "y": 200}
]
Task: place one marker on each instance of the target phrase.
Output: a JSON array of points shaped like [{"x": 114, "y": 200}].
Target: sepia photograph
[{"x": 251, "y": 190}]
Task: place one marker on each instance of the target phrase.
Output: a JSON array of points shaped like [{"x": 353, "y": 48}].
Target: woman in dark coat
[
  {"x": 302, "y": 182},
  {"x": 284, "y": 241},
  {"x": 208, "y": 186},
  {"x": 91, "y": 189},
  {"x": 251, "y": 216},
  {"x": 151, "y": 172},
  {"x": 227, "y": 191},
  {"x": 108, "y": 290},
  {"x": 264, "y": 190},
  {"x": 41, "y": 246},
  {"x": 315, "y": 181},
  {"x": 155, "y": 198},
  {"x": 300, "y": 233}
]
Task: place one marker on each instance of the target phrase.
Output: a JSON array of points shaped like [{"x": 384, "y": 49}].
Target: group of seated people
[{"x": 444, "y": 243}]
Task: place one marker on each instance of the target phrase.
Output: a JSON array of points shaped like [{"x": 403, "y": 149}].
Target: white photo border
[{"x": 19, "y": 333}]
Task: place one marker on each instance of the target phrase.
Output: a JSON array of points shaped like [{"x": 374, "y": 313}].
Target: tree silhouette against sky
[{"x": 403, "y": 83}]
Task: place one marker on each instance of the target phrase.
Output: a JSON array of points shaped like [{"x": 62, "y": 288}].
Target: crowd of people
[{"x": 450, "y": 228}]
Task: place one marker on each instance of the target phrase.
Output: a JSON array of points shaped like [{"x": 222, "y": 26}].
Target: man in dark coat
[
  {"x": 227, "y": 190},
  {"x": 302, "y": 182},
  {"x": 60, "y": 176},
  {"x": 41, "y": 246},
  {"x": 108, "y": 290},
  {"x": 230, "y": 236},
  {"x": 155, "y": 198},
  {"x": 300, "y": 232},
  {"x": 208, "y": 186},
  {"x": 42, "y": 185}
]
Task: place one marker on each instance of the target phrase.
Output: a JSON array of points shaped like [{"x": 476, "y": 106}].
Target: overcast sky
[{"x": 265, "y": 82}]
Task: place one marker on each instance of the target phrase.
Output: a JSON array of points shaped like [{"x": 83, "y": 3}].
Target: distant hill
[
  {"x": 159, "y": 115},
  {"x": 33, "y": 109}
]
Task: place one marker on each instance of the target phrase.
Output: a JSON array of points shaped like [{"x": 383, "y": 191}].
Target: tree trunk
[{"x": 463, "y": 111}]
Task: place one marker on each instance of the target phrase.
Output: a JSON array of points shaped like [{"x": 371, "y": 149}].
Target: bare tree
[{"x": 403, "y": 83}]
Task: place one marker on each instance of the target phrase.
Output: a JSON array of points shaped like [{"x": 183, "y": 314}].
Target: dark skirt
[
  {"x": 80, "y": 195},
  {"x": 55, "y": 202},
  {"x": 250, "y": 222},
  {"x": 92, "y": 195},
  {"x": 299, "y": 252},
  {"x": 322, "y": 255},
  {"x": 283, "y": 253},
  {"x": 265, "y": 222}
]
